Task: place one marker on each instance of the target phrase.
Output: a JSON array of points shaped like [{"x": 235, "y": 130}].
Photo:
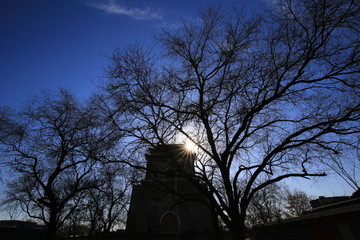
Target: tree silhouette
[
  {"x": 267, "y": 205},
  {"x": 297, "y": 203},
  {"x": 53, "y": 146},
  {"x": 263, "y": 99},
  {"x": 107, "y": 205}
]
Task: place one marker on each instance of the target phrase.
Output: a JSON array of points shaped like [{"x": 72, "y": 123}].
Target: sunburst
[{"x": 190, "y": 146}]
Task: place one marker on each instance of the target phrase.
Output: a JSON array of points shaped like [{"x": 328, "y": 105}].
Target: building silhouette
[
  {"x": 19, "y": 230},
  {"x": 332, "y": 218},
  {"x": 166, "y": 202}
]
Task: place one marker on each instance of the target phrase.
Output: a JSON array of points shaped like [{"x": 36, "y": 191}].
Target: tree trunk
[
  {"x": 238, "y": 233},
  {"x": 237, "y": 229},
  {"x": 51, "y": 231},
  {"x": 215, "y": 222},
  {"x": 51, "y": 227}
]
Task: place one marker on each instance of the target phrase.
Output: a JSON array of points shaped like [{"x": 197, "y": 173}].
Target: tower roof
[{"x": 175, "y": 156}]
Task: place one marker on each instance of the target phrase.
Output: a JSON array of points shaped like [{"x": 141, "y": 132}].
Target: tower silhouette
[{"x": 167, "y": 201}]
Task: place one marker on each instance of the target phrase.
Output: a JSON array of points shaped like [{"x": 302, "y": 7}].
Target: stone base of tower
[
  {"x": 155, "y": 211},
  {"x": 167, "y": 205}
]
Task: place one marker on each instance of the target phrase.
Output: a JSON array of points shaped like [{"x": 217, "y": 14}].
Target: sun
[{"x": 190, "y": 146}]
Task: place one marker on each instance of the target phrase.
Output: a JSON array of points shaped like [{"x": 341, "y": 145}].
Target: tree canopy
[
  {"x": 262, "y": 98},
  {"x": 54, "y": 147}
]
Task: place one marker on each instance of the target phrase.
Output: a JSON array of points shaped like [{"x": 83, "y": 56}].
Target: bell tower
[{"x": 166, "y": 201}]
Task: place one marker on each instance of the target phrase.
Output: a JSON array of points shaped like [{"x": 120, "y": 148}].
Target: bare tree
[
  {"x": 347, "y": 165},
  {"x": 12, "y": 209},
  {"x": 267, "y": 205},
  {"x": 297, "y": 202},
  {"x": 107, "y": 205},
  {"x": 53, "y": 146},
  {"x": 75, "y": 224},
  {"x": 276, "y": 202},
  {"x": 263, "y": 99}
]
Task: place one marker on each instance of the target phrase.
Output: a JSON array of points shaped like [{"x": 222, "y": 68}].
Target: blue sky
[{"x": 47, "y": 44}]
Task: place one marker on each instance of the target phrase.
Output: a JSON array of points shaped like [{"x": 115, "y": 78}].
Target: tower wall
[{"x": 158, "y": 205}]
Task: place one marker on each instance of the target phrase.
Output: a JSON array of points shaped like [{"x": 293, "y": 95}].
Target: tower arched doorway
[{"x": 170, "y": 222}]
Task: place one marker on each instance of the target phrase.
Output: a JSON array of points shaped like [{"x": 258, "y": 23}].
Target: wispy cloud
[{"x": 114, "y": 7}]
